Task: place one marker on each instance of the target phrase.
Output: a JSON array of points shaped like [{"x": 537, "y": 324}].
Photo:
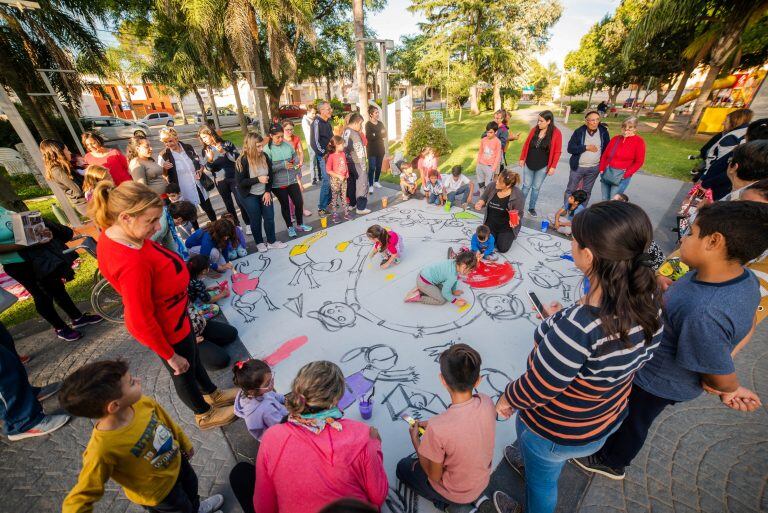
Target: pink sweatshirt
[
  {"x": 300, "y": 472},
  {"x": 392, "y": 243},
  {"x": 490, "y": 152}
]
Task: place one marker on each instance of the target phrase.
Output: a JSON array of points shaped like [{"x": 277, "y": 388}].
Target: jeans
[
  {"x": 183, "y": 497},
  {"x": 433, "y": 198},
  {"x": 20, "y": 410},
  {"x": 325, "y": 185},
  {"x": 584, "y": 175},
  {"x": 609, "y": 191},
  {"x": 374, "y": 168},
  {"x": 228, "y": 188},
  {"x": 544, "y": 460},
  {"x": 623, "y": 445},
  {"x": 191, "y": 385},
  {"x": 410, "y": 473},
  {"x": 532, "y": 180},
  {"x": 462, "y": 192},
  {"x": 258, "y": 212}
]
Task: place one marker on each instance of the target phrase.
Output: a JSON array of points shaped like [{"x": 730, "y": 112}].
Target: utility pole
[
  {"x": 55, "y": 97},
  {"x": 362, "y": 82},
  {"x": 384, "y": 72}
]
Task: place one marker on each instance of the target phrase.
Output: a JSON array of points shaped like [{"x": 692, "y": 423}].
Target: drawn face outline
[
  {"x": 505, "y": 307},
  {"x": 335, "y": 315},
  {"x": 381, "y": 361}
]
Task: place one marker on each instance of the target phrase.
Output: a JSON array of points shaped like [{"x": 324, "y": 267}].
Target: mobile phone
[
  {"x": 536, "y": 303},
  {"x": 411, "y": 421}
]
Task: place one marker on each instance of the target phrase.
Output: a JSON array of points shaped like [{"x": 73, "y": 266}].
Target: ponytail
[{"x": 108, "y": 201}]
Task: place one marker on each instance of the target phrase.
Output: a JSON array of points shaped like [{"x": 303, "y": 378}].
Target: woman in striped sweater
[{"x": 574, "y": 392}]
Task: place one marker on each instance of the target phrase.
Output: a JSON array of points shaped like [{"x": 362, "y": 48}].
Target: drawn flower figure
[{"x": 380, "y": 361}]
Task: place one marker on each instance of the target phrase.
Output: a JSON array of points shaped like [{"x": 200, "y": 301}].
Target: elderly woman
[
  {"x": 316, "y": 456},
  {"x": 111, "y": 158},
  {"x": 621, "y": 159},
  {"x": 182, "y": 167}
]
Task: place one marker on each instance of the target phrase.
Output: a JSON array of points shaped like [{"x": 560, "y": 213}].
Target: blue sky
[{"x": 395, "y": 21}]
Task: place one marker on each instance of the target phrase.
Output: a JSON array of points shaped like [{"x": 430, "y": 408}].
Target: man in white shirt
[
  {"x": 457, "y": 185},
  {"x": 306, "y": 127}
]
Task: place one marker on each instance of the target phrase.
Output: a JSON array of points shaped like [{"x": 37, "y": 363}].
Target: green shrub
[
  {"x": 578, "y": 106},
  {"x": 422, "y": 134}
]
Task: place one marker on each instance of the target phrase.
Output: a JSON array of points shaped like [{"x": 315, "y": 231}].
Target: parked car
[
  {"x": 227, "y": 117},
  {"x": 291, "y": 112},
  {"x": 629, "y": 103},
  {"x": 158, "y": 118},
  {"x": 111, "y": 128}
]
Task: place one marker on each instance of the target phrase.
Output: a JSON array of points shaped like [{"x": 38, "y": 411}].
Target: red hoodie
[
  {"x": 300, "y": 472},
  {"x": 627, "y": 153}
]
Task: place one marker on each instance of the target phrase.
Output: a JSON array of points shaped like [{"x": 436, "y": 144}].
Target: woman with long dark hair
[
  {"x": 376, "y": 133},
  {"x": 504, "y": 211},
  {"x": 57, "y": 160},
  {"x": 574, "y": 393},
  {"x": 539, "y": 156},
  {"x": 111, "y": 158},
  {"x": 220, "y": 155},
  {"x": 144, "y": 169}
]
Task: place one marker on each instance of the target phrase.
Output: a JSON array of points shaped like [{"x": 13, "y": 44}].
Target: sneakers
[
  {"x": 533, "y": 213},
  {"x": 346, "y": 216},
  {"x": 321, "y": 212},
  {"x": 350, "y": 208},
  {"x": 221, "y": 397},
  {"x": 363, "y": 212},
  {"x": 278, "y": 244},
  {"x": 87, "y": 319},
  {"x": 47, "y": 391},
  {"x": 261, "y": 247},
  {"x": 493, "y": 257},
  {"x": 304, "y": 228},
  {"x": 594, "y": 463},
  {"x": 405, "y": 197},
  {"x": 503, "y": 503},
  {"x": 68, "y": 334},
  {"x": 291, "y": 231},
  {"x": 514, "y": 458},
  {"x": 414, "y": 296},
  {"x": 211, "y": 504},
  {"x": 49, "y": 424},
  {"x": 314, "y": 181},
  {"x": 215, "y": 417},
  {"x": 307, "y": 213},
  {"x": 241, "y": 252},
  {"x": 377, "y": 185},
  {"x": 232, "y": 255},
  {"x": 248, "y": 230},
  {"x": 370, "y": 189},
  {"x": 335, "y": 219}
]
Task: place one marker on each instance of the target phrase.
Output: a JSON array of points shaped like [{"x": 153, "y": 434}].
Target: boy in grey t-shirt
[{"x": 708, "y": 315}]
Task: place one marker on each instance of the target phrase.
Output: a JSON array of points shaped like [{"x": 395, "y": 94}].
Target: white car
[
  {"x": 114, "y": 128},
  {"x": 158, "y": 118},
  {"x": 227, "y": 117}
]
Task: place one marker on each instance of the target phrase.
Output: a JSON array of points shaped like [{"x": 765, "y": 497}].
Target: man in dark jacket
[
  {"x": 587, "y": 144},
  {"x": 318, "y": 139}
]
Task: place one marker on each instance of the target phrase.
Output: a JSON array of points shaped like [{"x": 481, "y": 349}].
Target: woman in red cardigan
[
  {"x": 111, "y": 158},
  {"x": 621, "y": 159},
  {"x": 153, "y": 284},
  {"x": 539, "y": 156}
]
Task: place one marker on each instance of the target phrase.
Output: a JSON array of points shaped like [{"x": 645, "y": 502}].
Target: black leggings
[
  {"x": 183, "y": 497},
  {"x": 44, "y": 291},
  {"x": 292, "y": 191},
  {"x": 205, "y": 203},
  {"x": 227, "y": 189},
  {"x": 242, "y": 479},
  {"x": 504, "y": 240},
  {"x": 216, "y": 335},
  {"x": 191, "y": 385}
]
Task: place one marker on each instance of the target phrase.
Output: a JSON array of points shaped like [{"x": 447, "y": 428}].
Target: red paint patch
[
  {"x": 285, "y": 350},
  {"x": 489, "y": 274},
  {"x": 242, "y": 283}
]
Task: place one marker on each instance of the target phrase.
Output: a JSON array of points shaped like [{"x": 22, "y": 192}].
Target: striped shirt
[{"x": 576, "y": 387}]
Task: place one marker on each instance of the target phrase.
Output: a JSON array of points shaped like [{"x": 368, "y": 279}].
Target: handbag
[
  {"x": 611, "y": 175},
  {"x": 207, "y": 182}
]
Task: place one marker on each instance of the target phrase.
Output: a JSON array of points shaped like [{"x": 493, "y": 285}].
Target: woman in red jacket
[
  {"x": 153, "y": 284},
  {"x": 621, "y": 159},
  {"x": 111, "y": 158},
  {"x": 539, "y": 156}
]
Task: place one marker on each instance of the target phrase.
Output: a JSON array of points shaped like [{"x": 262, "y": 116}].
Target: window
[
  {"x": 148, "y": 92},
  {"x": 152, "y": 116},
  {"x": 162, "y": 105},
  {"x": 152, "y": 106}
]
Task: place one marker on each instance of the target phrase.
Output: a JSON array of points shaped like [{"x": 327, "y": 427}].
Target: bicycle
[{"x": 105, "y": 300}]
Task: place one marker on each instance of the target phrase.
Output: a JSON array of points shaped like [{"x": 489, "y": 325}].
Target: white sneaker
[
  {"x": 261, "y": 247},
  {"x": 248, "y": 230},
  {"x": 363, "y": 212},
  {"x": 377, "y": 185},
  {"x": 370, "y": 189},
  {"x": 49, "y": 424},
  {"x": 278, "y": 244},
  {"x": 211, "y": 504}
]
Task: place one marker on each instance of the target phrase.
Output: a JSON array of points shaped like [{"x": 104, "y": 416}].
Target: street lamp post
[{"x": 384, "y": 72}]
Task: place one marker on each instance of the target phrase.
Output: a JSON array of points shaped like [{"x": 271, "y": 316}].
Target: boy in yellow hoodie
[{"x": 134, "y": 442}]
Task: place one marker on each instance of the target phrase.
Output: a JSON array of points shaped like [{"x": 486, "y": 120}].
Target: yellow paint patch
[
  {"x": 299, "y": 249},
  {"x": 389, "y": 276},
  {"x": 464, "y": 308},
  {"x": 342, "y": 246}
]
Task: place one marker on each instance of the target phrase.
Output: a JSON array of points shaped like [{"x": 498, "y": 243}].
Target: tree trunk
[
  {"x": 316, "y": 87},
  {"x": 613, "y": 94},
  {"x": 214, "y": 109},
  {"x": 201, "y": 103},
  {"x": 328, "y": 88},
  {"x": 127, "y": 92},
  {"x": 362, "y": 81},
  {"x": 424, "y": 98},
  {"x": 474, "y": 108},
  {"x": 239, "y": 104},
  {"x": 689, "y": 67},
  {"x": 181, "y": 109},
  {"x": 254, "y": 63},
  {"x": 496, "y": 95},
  {"x": 591, "y": 90},
  {"x": 40, "y": 120}
]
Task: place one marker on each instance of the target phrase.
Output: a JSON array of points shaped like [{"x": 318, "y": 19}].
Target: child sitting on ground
[
  {"x": 456, "y": 186},
  {"x": 483, "y": 243},
  {"x": 409, "y": 180},
  {"x": 708, "y": 317},
  {"x": 454, "y": 456},
  {"x": 256, "y": 401},
  {"x": 433, "y": 189},
  {"x": 238, "y": 246},
  {"x": 184, "y": 215},
  {"x": 173, "y": 192},
  {"x": 436, "y": 284},
  {"x": 215, "y": 242},
  {"x": 386, "y": 242},
  {"x": 201, "y": 297},
  {"x": 135, "y": 442},
  {"x": 562, "y": 219},
  {"x": 93, "y": 175}
]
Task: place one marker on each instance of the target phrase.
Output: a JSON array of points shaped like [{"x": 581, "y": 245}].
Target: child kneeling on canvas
[
  {"x": 454, "y": 456},
  {"x": 256, "y": 401},
  {"x": 562, "y": 219},
  {"x": 483, "y": 244},
  {"x": 386, "y": 242},
  {"x": 436, "y": 284},
  {"x": 135, "y": 442}
]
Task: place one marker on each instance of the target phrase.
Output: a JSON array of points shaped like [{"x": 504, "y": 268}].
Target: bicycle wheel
[{"x": 107, "y": 302}]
